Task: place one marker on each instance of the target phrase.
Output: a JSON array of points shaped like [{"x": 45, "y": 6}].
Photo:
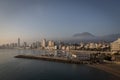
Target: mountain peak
[{"x": 83, "y": 35}]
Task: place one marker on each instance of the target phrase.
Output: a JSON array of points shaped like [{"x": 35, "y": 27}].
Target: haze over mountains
[{"x": 89, "y": 36}]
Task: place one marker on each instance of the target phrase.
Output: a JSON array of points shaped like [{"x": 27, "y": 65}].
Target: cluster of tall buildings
[
  {"x": 51, "y": 45},
  {"x": 11, "y": 45},
  {"x": 43, "y": 44}
]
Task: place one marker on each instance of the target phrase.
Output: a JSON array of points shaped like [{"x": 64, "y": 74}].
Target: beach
[{"x": 113, "y": 69}]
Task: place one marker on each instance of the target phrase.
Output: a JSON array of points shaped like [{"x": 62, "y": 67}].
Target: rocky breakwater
[{"x": 54, "y": 59}]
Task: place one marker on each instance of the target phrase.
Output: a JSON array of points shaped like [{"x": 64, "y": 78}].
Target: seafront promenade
[{"x": 88, "y": 51}]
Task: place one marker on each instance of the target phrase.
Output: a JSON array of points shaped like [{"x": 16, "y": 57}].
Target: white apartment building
[
  {"x": 92, "y": 46},
  {"x": 51, "y": 43},
  {"x": 43, "y": 43},
  {"x": 115, "y": 46}
]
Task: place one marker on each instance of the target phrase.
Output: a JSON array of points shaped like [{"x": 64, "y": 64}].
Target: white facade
[
  {"x": 115, "y": 46},
  {"x": 51, "y": 43},
  {"x": 43, "y": 43},
  {"x": 92, "y": 46},
  {"x": 74, "y": 56}
]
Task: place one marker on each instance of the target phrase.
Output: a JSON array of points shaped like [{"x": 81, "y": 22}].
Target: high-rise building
[
  {"x": 25, "y": 44},
  {"x": 18, "y": 42},
  {"x": 115, "y": 46},
  {"x": 51, "y": 43},
  {"x": 37, "y": 44},
  {"x": 43, "y": 43}
]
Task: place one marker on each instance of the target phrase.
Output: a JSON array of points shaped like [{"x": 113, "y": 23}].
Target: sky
[{"x": 56, "y": 19}]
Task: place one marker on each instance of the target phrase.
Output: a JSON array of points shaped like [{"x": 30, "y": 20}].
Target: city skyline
[{"x": 35, "y": 19}]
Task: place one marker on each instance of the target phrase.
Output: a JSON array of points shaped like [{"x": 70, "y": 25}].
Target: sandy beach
[{"x": 113, "y": 69}]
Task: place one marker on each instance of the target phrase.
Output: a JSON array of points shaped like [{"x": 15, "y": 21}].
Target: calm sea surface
[{"x": 25, "y": 69}]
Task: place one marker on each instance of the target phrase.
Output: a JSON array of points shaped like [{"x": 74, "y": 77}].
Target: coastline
[{"x": 108, "y": 68}]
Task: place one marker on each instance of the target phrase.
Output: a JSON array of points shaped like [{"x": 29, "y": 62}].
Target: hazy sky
[{"x": 35, "y": 19}]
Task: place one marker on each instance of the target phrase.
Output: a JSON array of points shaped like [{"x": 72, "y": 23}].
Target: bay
[{"x": 27, "y": 69}]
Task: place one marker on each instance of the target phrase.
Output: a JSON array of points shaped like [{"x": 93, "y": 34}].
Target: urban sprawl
[{"x": 96, "y": 52}]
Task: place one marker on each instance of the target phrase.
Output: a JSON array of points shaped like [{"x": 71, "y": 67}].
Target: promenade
[{"x": 85, "y": 51}]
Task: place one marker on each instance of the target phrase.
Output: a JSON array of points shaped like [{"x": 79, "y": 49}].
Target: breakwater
[{"x": 54, "y": 59}]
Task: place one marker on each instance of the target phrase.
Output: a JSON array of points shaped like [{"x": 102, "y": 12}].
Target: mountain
[{"x": 83, "y": 35}]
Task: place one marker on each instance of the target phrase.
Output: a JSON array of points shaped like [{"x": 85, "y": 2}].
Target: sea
[{"x": 29, "y": 69}]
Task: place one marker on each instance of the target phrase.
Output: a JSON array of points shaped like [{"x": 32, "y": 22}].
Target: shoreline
[
  {"x": 107, "y": 68},
  {"x": 113, "y": 69}
]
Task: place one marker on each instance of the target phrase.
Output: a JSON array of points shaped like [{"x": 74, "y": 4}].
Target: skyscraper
[
  {"x": 115, "y": 46},
  {"x": 43, "y": 43},
  {"x": 18, "y": 42},
  {"x": 51, "y": 43}
]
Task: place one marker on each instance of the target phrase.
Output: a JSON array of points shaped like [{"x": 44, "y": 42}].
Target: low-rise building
[{"x": 83, "y": 56}]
